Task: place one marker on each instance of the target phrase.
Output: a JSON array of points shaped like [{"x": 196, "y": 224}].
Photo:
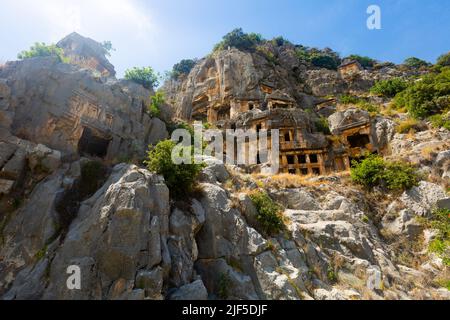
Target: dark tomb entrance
[
  {"x": 93, "y": 144},
  {"x": 358, "y": 140}
]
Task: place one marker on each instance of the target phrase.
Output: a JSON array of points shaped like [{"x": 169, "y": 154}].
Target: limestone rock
[
  {"x": 87, "y": 53},
  {"x": 192, "y": 291}
]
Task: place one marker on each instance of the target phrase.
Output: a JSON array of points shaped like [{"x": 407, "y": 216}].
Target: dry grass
[
  {"x": 289, "y": 181},
  {"x": 407, "y": 126}
]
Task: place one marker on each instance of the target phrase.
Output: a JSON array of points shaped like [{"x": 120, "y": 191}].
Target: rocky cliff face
[
  {"x": 234, "y": 74},
  {"x": 71, "y": 110},
  {"x": 131, "y": 245},
  {"x": 65, "y": 201}
]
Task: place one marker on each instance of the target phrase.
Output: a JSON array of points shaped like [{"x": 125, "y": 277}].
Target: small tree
[
  {"x": 374, "y": 171},
  {"x": 107, "y": 45},
  {"x": 240, "y": 40},
  {"x": 389, "y": 88},
  {"x": 444, "y": 60},
  {"x": 365, "y": 62},
  {"x": 146, "y": 77},
  {"x": 415, "y": 63},
  {"x": 43, "y": 50},
  {"x": 183, "y": 67},
  {"x": 368, "y": 172},
  {"x": 180, "y": 179},
  {"x": 269, "y": 212},
  {"x": 157, "y": 101},
  {"x": 325, "y": 61}
]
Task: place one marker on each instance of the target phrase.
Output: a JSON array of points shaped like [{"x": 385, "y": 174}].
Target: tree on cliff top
[
  {"x": 146, "y": 76},
  {"x": 240, "y": 40},
  {"x": 40, "y": 49}
]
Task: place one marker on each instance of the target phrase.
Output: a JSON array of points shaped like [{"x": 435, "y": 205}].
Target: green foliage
[
  {"x": 240, "y": 40},
  {"x": 399, "y": 176},
  {"x": 146, "y": 77},
  {"x": 331, "y": 274},
  {"x": 323, "y": 126},
  {"x": 180, "y": 179},
  {"x": 368, "y": 172},
  {"x": 43, "y": 50},
  {"x": 321, "y": 59},
  {"x": 415, "y": 63},
  {"x": 374, "y": 171},
  {"x": 365, "y": 62},
  {"x": 389, "y": 88},
  {"x": 324, "y": 61},
  {"x": 107, "y": 45},
  {"x": 157, "y": 101},
  {"x": 224, "y": 286},
  {"x": 183, "y": 67},
  {"x": 280, "y": 41},
  {"x": 440, "y": 120},
  {"x": 348, "y": 99},
  {"x": 426, "y": 96},
  {"x": 444, "y": 60},
  {"x": 440, "y": 221},
  {"x": 369, "y": 107},
  {"x": 268, "y": 212}
]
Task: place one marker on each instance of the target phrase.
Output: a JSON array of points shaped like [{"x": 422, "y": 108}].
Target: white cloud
[
  {"x": 128, "y": 24},
  {"x": 95, "y": 17}
]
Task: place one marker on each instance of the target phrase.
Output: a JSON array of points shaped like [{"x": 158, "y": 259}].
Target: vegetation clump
[
  {"x": 146, "y": 77},
  {"x": 365, "y": 62},
  {"x": 269, "y": 212},
  {"x": 240, "y": 40},
  {"x": 389, "y": 88},
  {"x": 157, "y": 101},
  {"x": 416, "y": 63},
  {"x": 375, "y": 171},
  {"x": 427, "y": 96},
  {"x": 440, "y": 221},
  {"x": 183, "y": 68},
  {"x": 179, "y": 178},
  {"x": 40, "y": 49}
]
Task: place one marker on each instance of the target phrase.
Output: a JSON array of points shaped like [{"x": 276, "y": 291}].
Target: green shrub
[
  {"x": 323, "y": 126},
  {"x": 365, "y": 62},
  {"x": 399, "y": 176},
  {"x": 240, "y": 40},
  {"x": 368, "y": 172},
  {"x": 444, "y": 60},
  {"x": 224, "y": 286},
  {"x": 426, "y": 96},
  {"x": 369, "y": 107},
  {"x": 439, "y": 121},
  {"x": 348, "y": 99},
  {"x": 415, "y": 63},
  {"x": 268, "y": 212},
  {"x": 43, "y": 50},
  {"x": 280, "y": 41},
  {"x": 440, "y": 221},
  {"x": 158, "y": 100},
  {"x": 325, "y": 61},
  {"x": 144, "y": 76},
  {"x": 321, "y": 59},
  {"x": 183, "y": 67},
  {"x": 180, "y": 179},
  {"x": 389, "y": 88},
  {"x": 107, "y": 45},
  {"x": 374, "y": 171}
]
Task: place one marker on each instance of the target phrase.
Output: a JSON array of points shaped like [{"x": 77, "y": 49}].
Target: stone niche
[{"x": 93, "y": 143}]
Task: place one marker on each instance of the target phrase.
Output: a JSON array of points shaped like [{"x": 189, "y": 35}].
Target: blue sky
[{"x": 160, "y": 33}]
